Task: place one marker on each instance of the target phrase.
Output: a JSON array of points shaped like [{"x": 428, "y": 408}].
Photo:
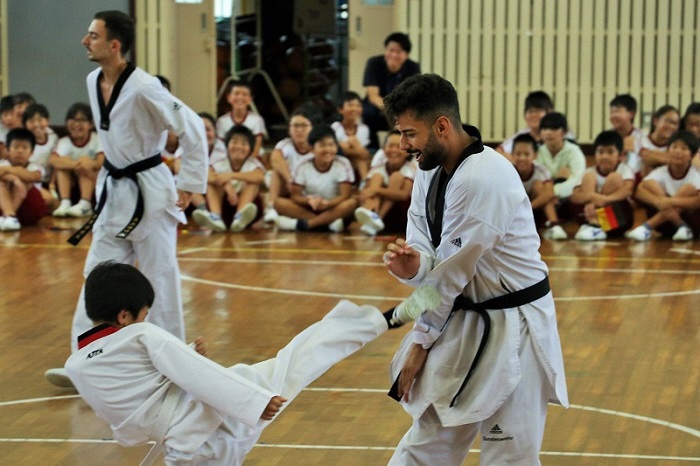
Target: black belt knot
[
  {"x": 507, "y": 301},
  {"x": 129, "y": 172}
]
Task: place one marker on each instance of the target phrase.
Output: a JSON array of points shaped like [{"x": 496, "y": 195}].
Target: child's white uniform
[
  {"x": 42, "y": 152},
  {"x": 647, "y": 144},
  {"x": 539, "y": 173},
  {"x": 32, "y": 167},
  {"x": 221, "y": 164},
  {"x": 622, "y": 168},
  {"x": 125, "y": 375},
  {"x": 67, "y": 148},
  {"x": 408, "y": 170},
  {"x": 142, "y": 113},
  {"x": 252, "y": 121},
  {"x": 291, "y": 154},
  {"x": 632, "y": 158},
  {"x": 671, "y": 185},
  {"x": 362, "y": 133},
  {"x": 323, "y": 184}
]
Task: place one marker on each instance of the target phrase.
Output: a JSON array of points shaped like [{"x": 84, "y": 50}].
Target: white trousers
[
  {"x": 342, "y": 332},
  {"x": 512, "y": 436},
  {"x": 157, "y": 260}
]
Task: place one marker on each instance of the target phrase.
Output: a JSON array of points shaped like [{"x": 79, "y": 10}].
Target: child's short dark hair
[
  {"x": 20, "y": 134},
  {"x": 119, "y": 26},
  {"x": 24, "y": 98},
  {"x": 309, "y": 111},
  {"x": 78, "y": 108},
  {"x": 33, "y": 110},
  {"x": 165, "y": 82},
  {"x": 401, "y": 39},
  {"x": 112, "y": 287},
  {"x": 539, "y": 100},
  {"x": 687, "y": 138},
  {"x": 525, "y": 138},
  {"x": 609, "y": 138},
  {"x": 626, "y": 101},
  {"x": 693, "y": 109},
  {"x": 348, "y": 96},
  {"x": 7, "y": 104},
  {"x": 321, "y": 132},
  {"x": 208, "y": 116},
  {"x": 239, "y": 83},
  {"x": 243, "y": 131},
  {"x": 554, "y": 120}
]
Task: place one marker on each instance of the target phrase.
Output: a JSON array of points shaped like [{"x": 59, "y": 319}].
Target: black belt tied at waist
[
  {"x": 508, "y": 301},
  {"x": 129, "y": 172}
]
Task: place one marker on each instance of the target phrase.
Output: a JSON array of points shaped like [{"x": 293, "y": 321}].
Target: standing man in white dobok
[
  {"x": 139, "y": 205},
  {"x": 485, "y": 358}
]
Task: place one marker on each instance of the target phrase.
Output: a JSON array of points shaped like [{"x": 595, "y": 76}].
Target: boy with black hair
[
  {"x": 36, "y": 120},
  {"x": 623, "y": 109},
  {"x": 537, "y": 105},
  {"x": 240, "y": 96},
  {"x": 538, "y": 185},
  {"x": 353, "y": 135},
  {"x": 21, "y": 202},
  {"x": 321, "y": 193},
  {"x": 137, "y": 376},
  {"x": 670, "y": 193},
  {"x": 608, "y": 184},
  {"x": 562, "y": 158},
  {"x": 235, "y": 177}
]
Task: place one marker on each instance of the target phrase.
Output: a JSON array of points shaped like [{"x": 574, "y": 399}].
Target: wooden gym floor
[{"x": 628, "y": 319}]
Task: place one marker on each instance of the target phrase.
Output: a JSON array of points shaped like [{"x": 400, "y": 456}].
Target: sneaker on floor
[
  {"x": 243, "y": 218},
  {"x": 270, "y": 215},
  {"x": 59, "y": 378},
  {"x": 641, "y": 233},
  {"x": 206, "y": 219},
  {"x": 369, "y": 217},
  {"x": 286, "y": 223},
  {"x": 10, "y": 224},
  {"x": 590, "y": 233},
  {"x": 368, "y": 230},
  {"x": 79, "y": 210},
  {"x": 61, "y": 210},
  {"x": 556, "y": 233},
  {"x": 337, "y": 225},
  {"x": 684, "y": 233}
]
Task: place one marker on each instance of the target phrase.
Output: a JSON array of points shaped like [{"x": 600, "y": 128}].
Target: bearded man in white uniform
[
  {"x": 139, "y": 205},
  {"x": 486, "y": 357}
]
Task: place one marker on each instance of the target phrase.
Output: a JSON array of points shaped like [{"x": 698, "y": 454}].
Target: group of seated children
[
  {"x": 658, "y": 172},
  {"x": 319, "y": 176}
]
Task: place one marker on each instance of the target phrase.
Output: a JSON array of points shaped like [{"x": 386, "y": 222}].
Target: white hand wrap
[{"x": 424, "y": 299}]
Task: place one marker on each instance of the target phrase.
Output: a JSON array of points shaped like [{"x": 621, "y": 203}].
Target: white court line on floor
[
  {"x": 269, "y": 241},
  {"x": 684, "y": 251},
  {"x": 666, "y": 294},
  {"x": 191, "y": 250},
  {"x": 282, "y": 261}
]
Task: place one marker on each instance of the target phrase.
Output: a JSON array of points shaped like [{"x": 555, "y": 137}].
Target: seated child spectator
[
  {"x": 537, "y": 105},
  {"x": 136, "y": 375},
  {"x": 36, "y": 120},
  {"x": 670, "y": 193},
  {"x": 20, "y": 200},
  {"x": 287, "y": 154},
  {"x": 654, "y": 150},
  {"x": 352, "y": 135},
  {"x": 563, "y": 159},
  {"x": 22, "y": 101},
  {"x": 321, "y": 193},
  {"x": 623, "y": 109},
  {"x": 78, "y": 158},
  {"x": 8, "y": 120},
  {"x": 691, "y": 122},
  {"x": 609, "y": 183},
  {"x": 387, "y": 188},
  {"x": 538, "y": 186},
  {"x": 240, "y": 96},
  {"x": 217, "y": 151},
  {"x": 236, "y": 178}
]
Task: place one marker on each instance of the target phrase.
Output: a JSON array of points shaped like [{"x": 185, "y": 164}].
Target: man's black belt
[
  {"x": 118, "y": 173},
  {"x": 508, "y": 301}
]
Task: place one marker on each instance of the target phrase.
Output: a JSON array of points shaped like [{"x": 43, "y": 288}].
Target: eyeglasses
[{"x": 79, "y": 120}]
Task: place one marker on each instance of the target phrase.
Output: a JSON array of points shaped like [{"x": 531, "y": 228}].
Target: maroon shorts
[{"x": 32, "y": 208}]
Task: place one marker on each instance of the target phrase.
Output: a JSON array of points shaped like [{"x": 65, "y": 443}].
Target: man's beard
[{"x": 433, "y": 155}]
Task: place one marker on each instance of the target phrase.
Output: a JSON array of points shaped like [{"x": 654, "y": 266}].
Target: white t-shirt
[
  {"x": 252, "y": 121},
  {"x": 622, "y": 168},
  {"x": 408, "y": 170},
  {"x": 671, "y": 185},
  {"x": 324, "y": 184},
  {"x": 291, "y": 154},
  {"x": 42, "y": 152},
  {"x": 362, "y": 133},
  {"x": 66, "y": 147},
  {"x": 539, "y": 173},
  {"x": 32, "y": 167}
]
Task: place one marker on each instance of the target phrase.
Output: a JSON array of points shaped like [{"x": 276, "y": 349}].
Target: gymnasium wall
[{"x": 582, "y": 52}]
